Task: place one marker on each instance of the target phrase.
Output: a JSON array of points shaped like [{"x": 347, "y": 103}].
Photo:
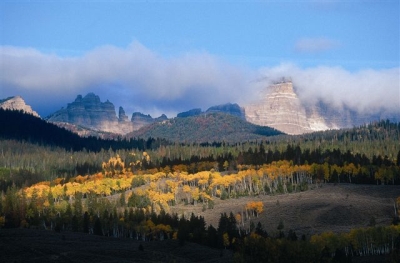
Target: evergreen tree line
[
  {"x": 45, "y": 151},
  {"x": 124, "y": 219},
  {"x": 40, "y": 132}
]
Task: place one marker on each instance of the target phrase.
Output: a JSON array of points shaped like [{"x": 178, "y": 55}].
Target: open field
[{"x": 336, "y": 208}]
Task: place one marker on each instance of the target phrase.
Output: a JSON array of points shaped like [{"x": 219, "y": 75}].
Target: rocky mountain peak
[
  {"x": 91, "y": 97},
  {"x": 17, "y": 103},
  {"x": 91, "y": 113},
  {"x": 121, "y": 115},
  {"x": 78, "y": 98},
  {"x": 279, "y": 108}
]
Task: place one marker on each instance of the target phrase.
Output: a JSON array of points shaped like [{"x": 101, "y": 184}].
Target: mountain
[
  {"x": 189, "y": 113},
  {"x": 228, "y": 108},
  {"x": 89, "y": 112},
  {"x": 281, "y": 108},
  {"x": 17, "y": 103},
  {"x": 210, "y": 127},
  {"x": 26, "y": 127},
  {"x": 141, "y": 120}
]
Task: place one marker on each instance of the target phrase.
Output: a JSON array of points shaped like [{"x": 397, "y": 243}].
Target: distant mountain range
[
  {"x": 88, "y": 115},
  {"x": 279, "y": 107}
]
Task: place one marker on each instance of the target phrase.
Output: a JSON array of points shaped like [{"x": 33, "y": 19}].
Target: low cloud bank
[
  {"x": 365, "y": 91},
  {"x": 141, "y": 80}
]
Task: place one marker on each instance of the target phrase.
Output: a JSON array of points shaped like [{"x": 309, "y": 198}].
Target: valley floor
[{"x": 329, "y": 207}]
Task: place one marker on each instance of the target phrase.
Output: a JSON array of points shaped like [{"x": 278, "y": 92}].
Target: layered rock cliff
[
  {"x": 281, "y": 109},
  {"x": 17, "y": 103},
  {"x": 91, "y": 113}
]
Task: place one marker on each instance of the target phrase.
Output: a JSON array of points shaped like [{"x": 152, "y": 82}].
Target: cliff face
[
  {"x": 281, "y": 109},
  {"x": 17, "y": 103},
  {"x": 140, "y": 120},
  {"x": 91, "y": 113}
]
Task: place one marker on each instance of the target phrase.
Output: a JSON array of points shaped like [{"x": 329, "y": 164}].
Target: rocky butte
[
  {"x": 91, "y": 113},
  {"x": 281, "y": 109},
  {"x": 17, "y": 103}
]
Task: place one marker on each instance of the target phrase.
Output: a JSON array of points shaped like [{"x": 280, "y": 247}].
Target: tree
[
  {"x": 86, "y": 222},
  {"x": 97, "y": 230},
  {"x": 226, "y": 165},
  {"x": 280, "y": 228},
  {"x": 122, "y": 200},
  {"x": 225, "y": 240}
]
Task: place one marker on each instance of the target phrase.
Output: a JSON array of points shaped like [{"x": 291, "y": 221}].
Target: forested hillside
[
  {"x": 52, "y": 179},
  {"x": 27, "y": 128},
  {"x": 207, "y": 127},
  {"x": 45, "y": 151}
]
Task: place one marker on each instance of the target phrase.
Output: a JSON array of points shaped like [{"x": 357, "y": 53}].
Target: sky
[{"x": 172, "y": 56}]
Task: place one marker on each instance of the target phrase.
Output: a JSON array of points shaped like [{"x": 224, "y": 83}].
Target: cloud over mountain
[
  {"x": 132, "y": 75},
  {"x": 365, "y": 91},
  {"x": 140, "y": 79}
]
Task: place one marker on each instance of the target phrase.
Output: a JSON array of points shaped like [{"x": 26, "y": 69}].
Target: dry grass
[{"x": 336, "y": 208}]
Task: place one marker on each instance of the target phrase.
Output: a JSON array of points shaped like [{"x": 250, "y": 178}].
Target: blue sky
[{"x": 170, "y": 56}]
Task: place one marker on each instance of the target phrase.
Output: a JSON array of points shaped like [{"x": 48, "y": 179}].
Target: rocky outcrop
[
  {"x": 17, "y": 103},
  {"x": 281, "y": 109},
  {"x": 189, "y": 113},
  {"x": 229, "y": 108},
  {"x": 140, "y": 120},
  {"x": 91, "y": 113},
  {"x": 122, "y": 116}
]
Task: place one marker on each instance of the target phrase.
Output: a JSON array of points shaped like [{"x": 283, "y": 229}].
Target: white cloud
[
  {"x": 365, "y": 91},
  {"x": 141, "y": 80},
  {"x": 141, "y": 77},
  {"x": 315, "y": 45}
]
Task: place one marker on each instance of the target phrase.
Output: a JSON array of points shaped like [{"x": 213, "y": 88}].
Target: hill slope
[
  {"x": 205, "y": 128},
  {"x": 26, "y": 127},
  {"x": 17, "y": 103}
]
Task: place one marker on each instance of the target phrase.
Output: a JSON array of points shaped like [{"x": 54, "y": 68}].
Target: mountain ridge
[
  {"x": 207, "y": 127},
  {"x": 17, "y": 103},
  {"x": 278, "y": 106},
  {"x": 93, "y": 114}
]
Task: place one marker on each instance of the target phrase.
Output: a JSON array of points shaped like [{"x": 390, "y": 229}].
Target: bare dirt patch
[{"x": 336, "y": 208}]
